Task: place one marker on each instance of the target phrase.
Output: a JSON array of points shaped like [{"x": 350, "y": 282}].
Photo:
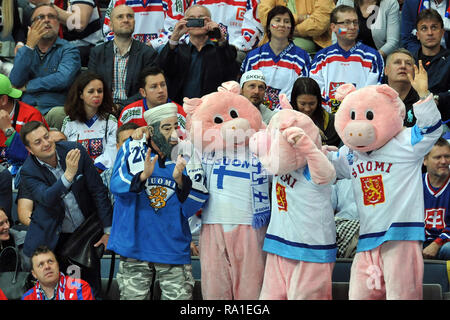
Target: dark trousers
[{"x": 91, "y": 276}]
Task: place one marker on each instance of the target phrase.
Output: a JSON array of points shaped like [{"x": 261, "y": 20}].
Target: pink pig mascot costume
[
  {"x": 384, "y": 162},
  {"x": 235, "y": 218},
  {"x": 301, "y": 237}
]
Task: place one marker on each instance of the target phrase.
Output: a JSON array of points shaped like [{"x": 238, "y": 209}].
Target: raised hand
[
  {"x": 149, "y": 166},
  {"x": 178, "y": 170},
  {"x": 179, "y": 30},
  {"x": 35, "y": 33},
  {"x": 5, "y": 120},
  {"x": 72, "y": 160},
  {"x": 293, "y": 134},
  {"x": 420, "y": 81},
  {"x": 139, "y": 133}
]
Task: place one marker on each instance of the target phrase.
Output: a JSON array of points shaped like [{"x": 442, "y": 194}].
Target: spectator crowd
[{"x": 91, "y": 107}]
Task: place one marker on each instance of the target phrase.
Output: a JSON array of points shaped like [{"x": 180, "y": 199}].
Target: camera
[
  {"x": 195, "y": 23},
  {"x": 215, "y": 34}
]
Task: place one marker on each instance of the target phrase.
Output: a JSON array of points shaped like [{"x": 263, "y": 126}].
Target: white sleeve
[
  {"x": 340, "y": 160},
  {"x": 107, "y": 158},
  {"x": 428, "y": 127}
]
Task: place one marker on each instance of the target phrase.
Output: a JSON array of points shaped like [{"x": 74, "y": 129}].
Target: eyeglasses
[
  {"x": 347, "y": 23},
  {"x": 43, "y": 16}
]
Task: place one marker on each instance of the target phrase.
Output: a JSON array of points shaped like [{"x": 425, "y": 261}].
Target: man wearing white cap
[
  {"x": 253, "y": 87},
  {"x": 153, "y": 200}
]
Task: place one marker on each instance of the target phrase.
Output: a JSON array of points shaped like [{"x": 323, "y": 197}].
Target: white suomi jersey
[
  {"x": 302, "y": 223},
  {"x": 387, "y": 182}
]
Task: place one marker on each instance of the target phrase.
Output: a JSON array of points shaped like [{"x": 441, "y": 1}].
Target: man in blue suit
[{"x": 66, "y": 189}]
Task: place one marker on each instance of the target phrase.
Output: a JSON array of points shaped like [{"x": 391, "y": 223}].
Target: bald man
[{"x": 122, "y": 59}]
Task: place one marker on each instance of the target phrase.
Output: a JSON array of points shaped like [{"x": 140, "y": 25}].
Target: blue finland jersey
[{"x": 150, "y": 220}]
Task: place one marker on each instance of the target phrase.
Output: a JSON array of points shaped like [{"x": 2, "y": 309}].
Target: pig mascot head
[
  {"x": 369, "y": 117},
  {"x": 280, "y": 148},
  {"x": 221, "y": 120}
]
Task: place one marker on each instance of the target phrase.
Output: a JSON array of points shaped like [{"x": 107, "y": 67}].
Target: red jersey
[
  {"x": 68, "y": 289},
  {"x": 134, "y": 112},
  {"x": 26, "y": 114},
  {"x": 2, "y": 295}
]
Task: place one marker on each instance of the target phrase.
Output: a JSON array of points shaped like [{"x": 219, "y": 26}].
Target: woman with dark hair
[
  {"x": 280, "y": 60},
  {"x": 312, "y": 21},
  {"x": 89, "y": 120},
  {"x": 306, "y": 98}
]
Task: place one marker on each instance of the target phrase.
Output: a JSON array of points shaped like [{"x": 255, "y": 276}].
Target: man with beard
[
  {"x": 120, "y": 61},
  {"x": 46, "y": 66},
  {"x": 253, "y": 87},
  {"x": 154, "y": 198}
]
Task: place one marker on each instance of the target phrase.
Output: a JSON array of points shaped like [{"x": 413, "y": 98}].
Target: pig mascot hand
[{"x": 292, "y": 141}]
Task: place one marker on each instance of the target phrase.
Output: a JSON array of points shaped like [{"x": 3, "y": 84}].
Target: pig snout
[
  {"x": 360, "y": 133},
  {"x": 235, "y": 127}
]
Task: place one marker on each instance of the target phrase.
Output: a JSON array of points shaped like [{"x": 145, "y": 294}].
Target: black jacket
[
  {"x": 101, "y": 61},
  {"x": 219, "y": 65},
  {"x": 438, "y": 70}
]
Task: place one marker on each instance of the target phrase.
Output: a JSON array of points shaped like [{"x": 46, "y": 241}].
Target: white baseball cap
[{"x": 252, "y": 75}]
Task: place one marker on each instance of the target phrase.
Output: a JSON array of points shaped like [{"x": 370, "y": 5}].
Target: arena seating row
[{"x": 436, "y": 279}]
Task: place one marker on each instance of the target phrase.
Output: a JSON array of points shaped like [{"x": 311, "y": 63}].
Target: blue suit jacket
[{"x": 48, "y": 193}]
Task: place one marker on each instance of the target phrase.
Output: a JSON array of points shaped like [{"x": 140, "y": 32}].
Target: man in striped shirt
[
  {"x": 346, "y": 61},
  {"x": 119, "y": 61}
]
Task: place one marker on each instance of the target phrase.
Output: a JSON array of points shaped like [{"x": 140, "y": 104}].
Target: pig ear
[
  {"x": 343, "y": 90},
  {"x": 385, "y": 89},
  {"x": 231, "y": 86},
  {"x": 284, "y": 102},
  {"x": 190, "y": 105}
]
